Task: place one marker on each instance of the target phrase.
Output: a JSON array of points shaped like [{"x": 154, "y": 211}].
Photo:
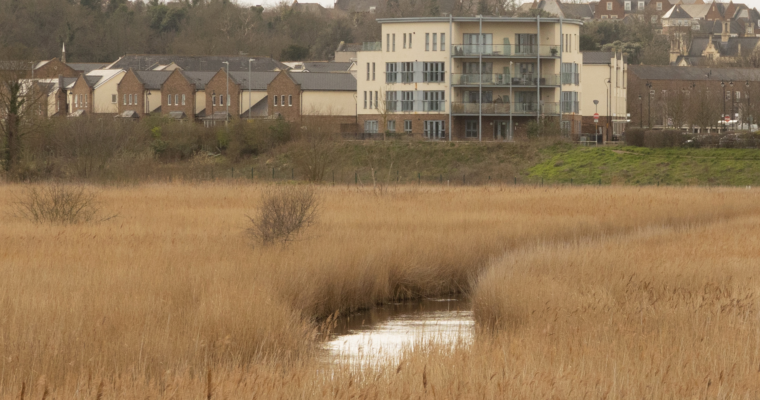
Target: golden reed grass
[{"x": 172, "y": 300}]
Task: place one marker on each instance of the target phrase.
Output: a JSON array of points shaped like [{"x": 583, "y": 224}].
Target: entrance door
[{"x": 501, "y": 131}]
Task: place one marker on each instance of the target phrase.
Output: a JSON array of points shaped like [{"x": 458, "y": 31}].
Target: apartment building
[
  {"x": 470, "y": 78},
  {"x": 604, "y": 93}
]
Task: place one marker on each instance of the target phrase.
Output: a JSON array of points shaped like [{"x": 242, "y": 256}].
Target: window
[
  {"x": 367, "y": 71},
  {"x": 130, "y": 99},
  {"x": 391, "y": 126},
  {"x": 407, "y": 101},
  {"x": 613, "y": 16},
  {"x": 76, "y": 101},
  {"x": 390, "y": 101},
  {"x": 370, "y": 126},
  {"x": 628, "y": 6},
  {"x": 407, "y": 72},
  {"x": 213, "y": 100},
  {"x": 387, "y": 42},
  {"x": 282, "y": 100},
  {"x": 443, "y": 41},
  {"x": 604, "y": 17},
  {"x": 370, "y": 99},
  {"x": 86, "y": 100},
  {"x": 609, "y": 5},
  {"x": 641, "y": 6},
  {"x": 176, "y": 99},
  {"x": 183, "y": 99},
  {"x": 394, "y": 42},
  {"x": 570, "y": 102},
  {"x": 169, "y": 100},
  {"x": 135, "y": 98},
  {"x": 372, "y": 9},
  {"x": 114, "y": 98},
  {"x": 124, "y": 100},
  {"x": 728, "y": 95},
  {"x": 373, "y": 71},
  {"x": 410, "y": 40},
  {"x": 654, "y": 19},
  {"x": 435, "y": 42},
  {"x": 391, "y": 72},
  {"x": 434, "y": 130},
  {"x": 365, "y": 99},
  {"x": 427, "y": 42},
  {"x": 376, "y": 99},
  {"x": 275, "y": 101},
  {"x": 405, "y": 40},
  {"x": 738, "y": 95},
  {"x": 290, "y": 100},
  {"x": 433, "y": 72},
  {"x": 433, "y": 100},
  {"x": 408, "y": 126},
  {"x": 221, "y": 99},
  {"x": 659, "y": 6},
  {"x": 471, "y": 128}
]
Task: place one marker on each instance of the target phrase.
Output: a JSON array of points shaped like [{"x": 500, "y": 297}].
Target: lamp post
[
  {"x": 731, "y": 84},
  {"x": 249, "y": 88},
  {"x": 213, "y": 100},
  {"x": 596, "y": 121},
  {"x": 510, "y": 101},
  {"x": 749, "y": 113},
  {"x": 641, "y": 113},
  {"x": 649, "y": 104},
  {"x": 227, "y": 100},
  {"x": 723, "y": 86}
]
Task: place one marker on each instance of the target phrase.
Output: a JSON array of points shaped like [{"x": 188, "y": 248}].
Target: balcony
[
  {"x": 519, "y": 109},
  {"x": 504, "y": 50},
  {"x": 372, "y": 46},
  {"x": 504, "y": 80},
  {"x": 415, "y": 105}
]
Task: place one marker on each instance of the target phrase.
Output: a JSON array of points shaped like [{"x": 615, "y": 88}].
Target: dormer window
[
  {"x": 641, "y": 6},
  {"x": 628, "y": 6},
  {"x": 609, "y": 5},
  {"x": 654, "y": 19},
  {"x": 372, "y": 9},
  {"x": 659, "y": 6}
]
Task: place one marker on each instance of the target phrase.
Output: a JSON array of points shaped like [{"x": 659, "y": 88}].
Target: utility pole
[
  {"x": 649, "y": 105},
  {"x": 723, "y": 87},
  {"x": 227, "y": 100},
  {"x": 249, "y": 88},
  {"x": 641, "y": 113}
]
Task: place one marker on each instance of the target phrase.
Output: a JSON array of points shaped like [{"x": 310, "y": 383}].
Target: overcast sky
[{"x": 329, "y": 3}]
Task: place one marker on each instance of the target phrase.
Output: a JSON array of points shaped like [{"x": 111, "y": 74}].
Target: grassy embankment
[{"x": 148, "y": 303}]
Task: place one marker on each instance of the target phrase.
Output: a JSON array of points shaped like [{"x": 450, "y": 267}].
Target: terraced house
[{"x": 472, "y": 78}]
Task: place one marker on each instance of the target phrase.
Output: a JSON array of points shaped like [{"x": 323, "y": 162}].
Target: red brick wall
[
  {"x": 177, "y": 86},
  {"x": 418, "y": 122},
  {"x": 332, "y": 123},
  {"x": 82, "y": 96},
  {"x": 617, "y": 9},
  {"x": 283, "y": 85},
  {"x": 53, "y": 69},
  {"x": 131, "y": 85},
  {"x": 217, "y": 87}
]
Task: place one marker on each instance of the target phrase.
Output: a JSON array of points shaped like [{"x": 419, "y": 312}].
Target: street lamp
[
  {"x": 723, "y": 86},
  {"x": 731, "y": 84},
  {"x": 249, "y": 88},
  {"x": 596, "y": 121},
  {"x": 649, "y": 104},
  {"x": 227, "y": 100},
  {"x": 749, "y": 113},
  {"x": 641, "y": 113},
  {"x": 213, "y": 100}
]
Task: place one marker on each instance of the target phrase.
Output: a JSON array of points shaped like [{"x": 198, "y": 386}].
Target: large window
[
  {"x": 407, "y": 72},
  {"x": 434, "y": 130},
  {"x": 475, "y": 43},
  {"x": 433, "y": 100},
  {"x": 659, "y": 6},
  {"x": 471, "y": 128},
  {"x": 609, "y": 5},
  {"x": 570, "y": 102},
  {"x": 391, "y": 72},
  {"x": 427, "y": 42},
  {"x": 370, "y": 126},
  {"x": 407, "y": 101},
  {"x": 628, "y": 6},
  {"x": 408, "y": 126},
  {"x": 391, "y": 101},
  {"x": 433, "y": 72},
  {"x": 443, "y": 42},
  {"x": 570, "y": 74},
  {"x": 526, "y": 43},
  {"x": 435, "y": 42},
  {"x": 391, "y": 126}
]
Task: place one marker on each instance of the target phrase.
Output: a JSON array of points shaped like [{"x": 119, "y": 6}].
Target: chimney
[
  {"x": 63, "y": 54},
  {"x": 725, "y": 34}
]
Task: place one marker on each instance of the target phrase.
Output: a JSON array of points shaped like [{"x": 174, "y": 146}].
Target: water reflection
[{"x": 382, "y": 333}]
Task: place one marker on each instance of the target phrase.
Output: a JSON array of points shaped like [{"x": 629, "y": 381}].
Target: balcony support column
[
  {"x": 538, "y": 68},
  {"x": 451, "y": 73},
  {"x": 480, "y": 80}
]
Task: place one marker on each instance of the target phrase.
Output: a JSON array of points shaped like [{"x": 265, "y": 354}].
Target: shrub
[
  {"x": 664, "y": 138},
  {"x": 634, "y": 137},
  {"x": 58, "y": 204},
  {"x": 284, "y": 212}
]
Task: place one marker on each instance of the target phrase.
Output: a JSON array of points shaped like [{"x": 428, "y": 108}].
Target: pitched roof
[
  {"x": 578, "y": 11},
  {"x": 668, "y": 72},
  {"x": 326, "y": 66},
  {"x": 92, "y": 80},
  {"x": 86, "y": 67},
  {"x": 676, "y": 12},
  {"x": 259, "y": 80},
  {"x": 152, "y": 79},
  {"x": 260, "y": 109},
  {"x": 145, "y": 62},
  {"x": 325, "y": 81},
  {"x": 597, "y": 57},
  {"x": 200, "y": 78},
  {"x": 726, "y": 49},
  {"x": 349, "y": 47}
]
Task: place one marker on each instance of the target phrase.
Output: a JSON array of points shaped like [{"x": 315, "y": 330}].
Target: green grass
[{"x": 642, "y": 166}]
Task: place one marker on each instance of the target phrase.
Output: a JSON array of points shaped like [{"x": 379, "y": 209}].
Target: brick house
[
  {"x": 283, "y": 97},
  {"x": 220, "y": 101},
  {"x": 178, "y": 96},
  {"x": 81, "y": 95},
  {"x": 609, "y": 9},
  {"x": 52, "y": 69},
  {"x": 139, "y": 92}
]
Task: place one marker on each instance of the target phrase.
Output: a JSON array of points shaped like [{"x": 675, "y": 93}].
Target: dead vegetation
[
  {"x": 283, "y": 212},
  {"x": 58, "y": 203}
]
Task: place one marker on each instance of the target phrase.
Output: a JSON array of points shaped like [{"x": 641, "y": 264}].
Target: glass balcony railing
[
  {"x": 504, "y": 108},
  {"x": 504, "y": 80},
  {"x": 372, "y": 46},
  {"x": 505, "y": 50}
]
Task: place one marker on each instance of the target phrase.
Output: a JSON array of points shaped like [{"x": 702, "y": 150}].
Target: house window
[
  {"x": 408, "y": 126},
  {"x": 405, "y": 40},
  {"x": 282, "y": 98},
  {"x": 370, "y": 126},
  {"x": 213, "y": 100},
  {"x": 290, "y": 100},
  {"x": 370, "y": 99},
  {"x": 124, "y": 100},
  {"x": 376, "y": 100},
  {"x": 604, "y": 17},
  {"x": 628, "y": 6},
  {"x": 275, "y": 101},
  {"x": 613, "y": 16},
  {"x": 443, "y": 41},
  {"x": 410, "y": 39},
  {"x": 659, "y": 6},
  {"x": 434, "y": 129},
  {"x": 391, "y": 126},
  {"x": 609, "y": 5},
  {"x": 183, "y": 99},
  {"x": 372, "y": 9},
  {"x": 738, "y": 95},
  {"x": 433, "y": 72},
  {"x": 391, "y": 72},
  {"x": 654, "y": 19},
  {"x": 387, "y": 42},
  {"x": 221, "y": 99},
  {"x": 168, "y": 101},
  {"x": 114, "y": 98},
  {"x": 407, "y": 72},
  {"x": 367, "y": 71},
  {"x": 365, "y": 99},
  {"x": 433, "y": 100},
  {"x": 435, "y": 42},
  {"x": 373, "y": 71},
  {"x": 641, "y": 6},
  {"x": 390, "y": 101},
  {"x": 471, "y": 128},
  {"x": 407, "y": 101},
  {"x": 76, "y": 100},
  {"x": 136, "y": 97},
  {"x": 86, "y": 100},
  {"x": 130, "y": 99},
  {"x": 427, "y": 42},
  {"x": 394, "y": 41}
]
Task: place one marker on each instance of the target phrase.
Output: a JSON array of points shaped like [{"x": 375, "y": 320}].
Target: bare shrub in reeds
[
  {"x": 283, "y": 213},
  {"x": 58, "y": 203}
]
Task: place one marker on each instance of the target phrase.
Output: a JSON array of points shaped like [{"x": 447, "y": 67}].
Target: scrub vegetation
[{"x": 578, "y": 292}]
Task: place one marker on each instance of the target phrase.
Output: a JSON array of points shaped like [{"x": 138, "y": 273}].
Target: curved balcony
[
  {"x": 505, "y": 50},
  {"x": 504, "y": 80},
  {"x": 518, "y": 109}
]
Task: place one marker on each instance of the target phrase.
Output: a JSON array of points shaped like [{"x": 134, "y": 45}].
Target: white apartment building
[{"x": 470, "y": 78}]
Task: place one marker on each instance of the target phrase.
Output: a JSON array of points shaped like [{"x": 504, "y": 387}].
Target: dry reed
[{"x": 150, "y": 303}]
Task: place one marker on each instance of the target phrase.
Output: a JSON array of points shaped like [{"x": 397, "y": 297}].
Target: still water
[{"x": 383, "y": 333}]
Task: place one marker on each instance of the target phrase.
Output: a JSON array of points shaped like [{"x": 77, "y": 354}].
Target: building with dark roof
[{"x": 149, "y": 62}]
